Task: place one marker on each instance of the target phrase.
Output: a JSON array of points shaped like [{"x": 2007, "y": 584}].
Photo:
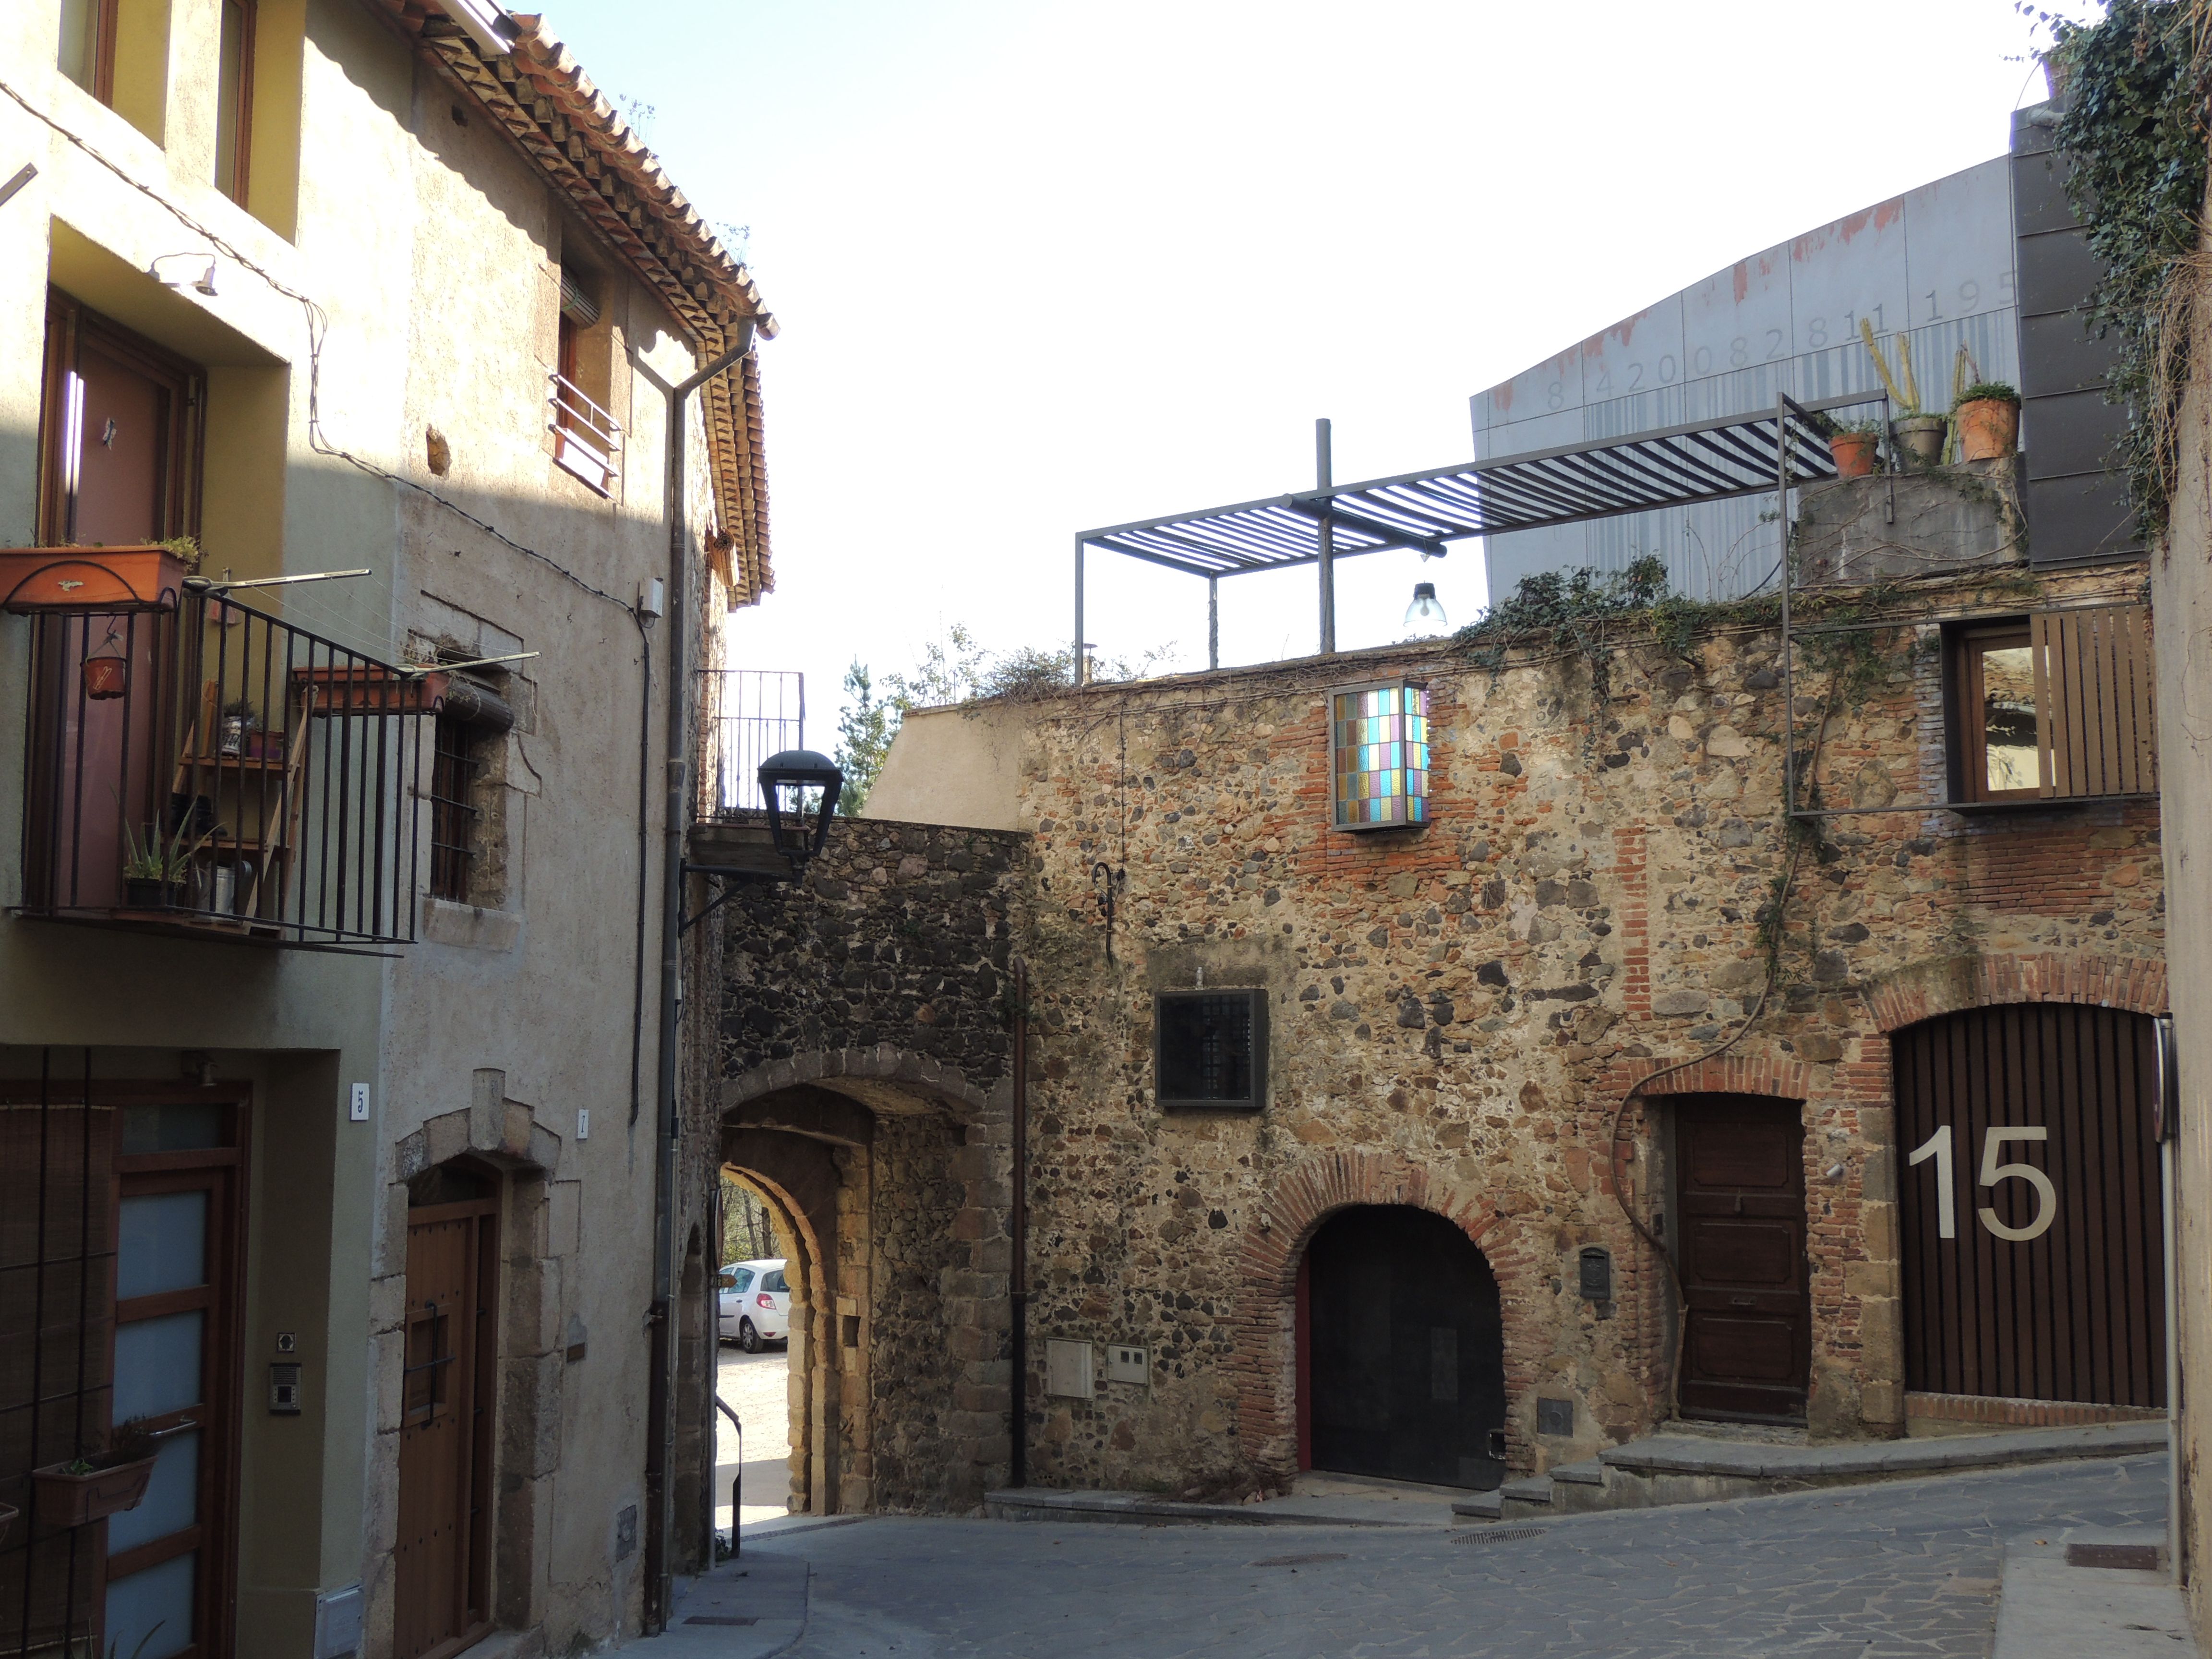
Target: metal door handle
[{"x": 1743, "y": 1301}]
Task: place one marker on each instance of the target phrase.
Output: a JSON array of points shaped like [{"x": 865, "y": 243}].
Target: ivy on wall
[{"x": 2134, "y": 130}]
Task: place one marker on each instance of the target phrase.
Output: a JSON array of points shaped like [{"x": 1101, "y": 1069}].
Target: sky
[{"x": 1047, "y": 266}]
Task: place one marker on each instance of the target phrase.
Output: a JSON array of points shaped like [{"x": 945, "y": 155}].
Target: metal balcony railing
[
  {"x": 197, "y": 766},
  {"x": 586, "y": 440},
  {"x": 746, "y": 714}
]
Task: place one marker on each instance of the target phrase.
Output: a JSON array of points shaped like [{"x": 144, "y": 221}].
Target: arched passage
[{"x": 1401, "y": 1349}]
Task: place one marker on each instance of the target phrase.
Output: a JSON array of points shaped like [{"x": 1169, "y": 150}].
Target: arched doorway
[{"x": 1401, "y": 1351}]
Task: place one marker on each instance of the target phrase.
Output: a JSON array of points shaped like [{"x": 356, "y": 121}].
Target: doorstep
[
  {"x": 2060, "y": 1599},
  {"x": 1317, "y": 1500}
]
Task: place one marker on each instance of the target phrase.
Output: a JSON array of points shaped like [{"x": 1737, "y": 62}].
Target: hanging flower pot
[
  {"x": 1988, "y": 421},
  {"x": 70, "y": 1495},
  {"x": 106, "y": 678},
  {"x": 1854, "y": 453}
]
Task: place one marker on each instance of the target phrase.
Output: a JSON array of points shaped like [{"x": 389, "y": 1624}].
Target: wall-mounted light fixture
[
  {"x": 1378, "y": 744},
  {"x": 195, "y": 271}
]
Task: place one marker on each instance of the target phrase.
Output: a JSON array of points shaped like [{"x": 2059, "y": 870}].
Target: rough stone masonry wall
[
  {"x": 886, "y": 977},
  {"x": 1459, "y": 1011}
]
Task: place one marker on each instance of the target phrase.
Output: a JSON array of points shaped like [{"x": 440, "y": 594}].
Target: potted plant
[
  {"x": 154, "y": 868},
  {"x": 99, "y": 1483},
  {"x": 1921, "y": 436},
  {"x": 240, "y": 720},
  {"x": 1988, "y": 413},
  {"x": 141, "y": 576},
  {"x": 1855, "y": 445}
]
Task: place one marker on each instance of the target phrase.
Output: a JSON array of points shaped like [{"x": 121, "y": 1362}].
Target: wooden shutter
[{"x": 2094, "y": 695}]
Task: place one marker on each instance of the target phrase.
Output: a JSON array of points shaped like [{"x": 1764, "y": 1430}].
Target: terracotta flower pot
[
  {"x": 106, "y": 678},
  {"x": 1854, "y": 453},
  {"x": 1989, "y": 427},
  {"x": 1922, "y": 436},
  {"x": 71, "y": 1500}
]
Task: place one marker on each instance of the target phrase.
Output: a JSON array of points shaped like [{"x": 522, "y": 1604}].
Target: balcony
[
  {"x": 587, "y": 439},
  {"x": 196, "y": 766},
  {"x": 745, "y": 715}
]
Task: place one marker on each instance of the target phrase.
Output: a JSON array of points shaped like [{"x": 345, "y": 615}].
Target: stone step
[
  {"x": 1483, "y": 1506},
  {"x": 1530, "y": 1496}
]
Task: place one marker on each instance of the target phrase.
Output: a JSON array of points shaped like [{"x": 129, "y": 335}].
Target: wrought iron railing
[
  {"x": 746, "y": 714},
  {"x": 198, "y": 765},
  {"x": 587, "y": 439}
]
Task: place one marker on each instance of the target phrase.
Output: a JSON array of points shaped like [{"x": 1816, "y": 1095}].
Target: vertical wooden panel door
[
  {"x": 443, "y": 1599},
  {"x": 1740, "y": 1191},
  {"x": 2029, "y": 1211}
]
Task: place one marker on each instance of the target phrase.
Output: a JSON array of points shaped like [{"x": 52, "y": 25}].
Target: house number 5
[{"x": 1938, "y": 1147}]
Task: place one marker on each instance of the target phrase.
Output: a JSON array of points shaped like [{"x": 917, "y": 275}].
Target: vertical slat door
[{"x": 2041, "y": 1285}]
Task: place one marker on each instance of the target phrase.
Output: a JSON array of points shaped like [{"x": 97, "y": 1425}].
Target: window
[
  {"x": 1379, "y": 747},
  {"x": 587, "y": 438},
  {"x": 775, "y": 1281},
  {"x": 2053, "y": 706},
  {"x": 742, "y": 1279},
  {"x": 452, "y": 809},
  {"x": 87, "y": 49},
  {"x": 234, "y": 113},
  {"x": 1211, "y": 1050},
  {"x": 118, "y": 52}
]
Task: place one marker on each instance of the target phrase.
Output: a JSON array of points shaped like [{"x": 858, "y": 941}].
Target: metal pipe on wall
[
  {"x": 1213, "y": 622},
  {"x": 1076, "y": 663},
  {"x": 1788, "y": 681},
  {"x": 661, "y": 1442},
  {"x": 1324, "y": 475},
  {"x": 1018, "y": 1474}
]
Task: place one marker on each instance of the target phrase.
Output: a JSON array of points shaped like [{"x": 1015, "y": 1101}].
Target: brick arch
[
  {"x": 1731, "y": 1074},
  {"x": 1265, "y": 1365},
  {"x": 882, "y": 1077},
  {"x": 2136, "y": 984}
]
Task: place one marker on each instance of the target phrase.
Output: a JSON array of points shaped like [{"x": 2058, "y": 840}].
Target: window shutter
[{"x": 2094, "y": 701}]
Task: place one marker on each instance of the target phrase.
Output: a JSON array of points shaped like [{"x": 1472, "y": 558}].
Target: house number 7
[{"x": 1938, "y": 1147}]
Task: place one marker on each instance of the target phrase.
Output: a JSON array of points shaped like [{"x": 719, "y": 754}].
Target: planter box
[
  {"x": 370, "y": 690},
  {"x": 71, "y": 1500},
  {"x": 35, "y": 579}
]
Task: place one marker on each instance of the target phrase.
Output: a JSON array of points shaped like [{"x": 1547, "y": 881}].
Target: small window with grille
[
  {"x": 1211, "y": 1050},
  {"x": 452, "y": 809}
]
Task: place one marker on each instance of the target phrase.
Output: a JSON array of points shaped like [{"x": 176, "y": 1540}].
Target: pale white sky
[{"x": 1047, "y": 266}]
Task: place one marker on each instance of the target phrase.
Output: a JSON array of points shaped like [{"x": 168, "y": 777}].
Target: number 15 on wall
[{"x": 1938, "y": 1147}]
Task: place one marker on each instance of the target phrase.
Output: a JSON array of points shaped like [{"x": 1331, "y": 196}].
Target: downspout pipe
[
  {"x": 660, "y": 1447},
  {"x": 1018, "y": 1471}
]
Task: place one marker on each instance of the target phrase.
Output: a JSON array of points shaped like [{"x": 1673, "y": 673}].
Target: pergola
[{"x": 1706, "y": 460}]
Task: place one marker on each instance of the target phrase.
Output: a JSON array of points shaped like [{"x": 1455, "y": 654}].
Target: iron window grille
[
  {"x": 454, "y": 813},
  {"x": 1210, "y": 1050},
  {"x": 587, "y": 439},
  {"x": 1378, "y": 755}
]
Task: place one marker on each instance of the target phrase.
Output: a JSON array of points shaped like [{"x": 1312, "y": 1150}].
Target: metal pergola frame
[{"x": 1710, "y": 460}]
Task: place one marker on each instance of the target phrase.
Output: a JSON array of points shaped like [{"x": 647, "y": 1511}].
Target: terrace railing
[{"x": 746, "y": 714}]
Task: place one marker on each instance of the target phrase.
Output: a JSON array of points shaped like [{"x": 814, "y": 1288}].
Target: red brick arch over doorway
[
  {"x": 2136, "y": 984},
  {"x": 1264, "y": 1367}
]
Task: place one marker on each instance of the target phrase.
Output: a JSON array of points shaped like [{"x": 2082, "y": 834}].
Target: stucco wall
[
  {"x": 430, "y": 250},
  {"x": 952, "y": 765},
  {"x": 1458, "y": 1011}
]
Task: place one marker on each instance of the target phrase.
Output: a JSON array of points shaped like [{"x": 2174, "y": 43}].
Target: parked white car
[{"x": 755, "y": 1303}]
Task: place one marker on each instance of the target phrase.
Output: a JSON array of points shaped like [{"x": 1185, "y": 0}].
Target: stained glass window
[{"x": 1379, "y": 753}]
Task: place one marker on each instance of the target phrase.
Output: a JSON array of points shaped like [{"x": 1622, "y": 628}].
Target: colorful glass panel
[{"x": 1379, "y": 750}]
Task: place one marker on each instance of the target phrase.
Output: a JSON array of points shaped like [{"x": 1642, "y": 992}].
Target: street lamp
[{"x": 800, "y": 788}]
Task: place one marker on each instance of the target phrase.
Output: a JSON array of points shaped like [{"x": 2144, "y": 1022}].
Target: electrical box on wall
[
  {"x": 337, "y": 1623},
  {"x": 1126, "y": 1364},
  {"x": 283, "y": 1390},
  {"x": 1068, "y": 1369}
]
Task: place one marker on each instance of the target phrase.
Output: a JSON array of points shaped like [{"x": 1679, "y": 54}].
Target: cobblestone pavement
[{"x": 1892, "y": 1571}]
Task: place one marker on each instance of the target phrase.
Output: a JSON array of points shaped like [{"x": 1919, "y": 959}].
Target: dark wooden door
[
  {"x": 1747, "y": 1339},
  {"x": 1406, "y": 1362},
  {"x": 2030, "y": 1213},
  {"x": 442, "y": 1599}
]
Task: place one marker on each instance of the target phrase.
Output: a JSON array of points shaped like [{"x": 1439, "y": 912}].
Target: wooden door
[
  {"x": 1407, "y": 1365},
  {"x": 2030, "y": 1210},
  {"x": 443, "y": 1561},
  {"x": 1747, "y": 1339}
]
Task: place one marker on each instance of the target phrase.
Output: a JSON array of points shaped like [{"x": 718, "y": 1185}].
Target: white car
[{"x": 755, "y": 1303}]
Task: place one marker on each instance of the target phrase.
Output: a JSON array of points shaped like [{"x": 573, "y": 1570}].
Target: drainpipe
[
  {"x": 1018, "y": 1471},
  {"x": 660, "y": 1439}
]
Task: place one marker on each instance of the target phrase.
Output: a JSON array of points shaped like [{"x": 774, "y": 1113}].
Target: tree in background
[
  {"x": 748, "y": 1229},
  {"x": 955, "y": 669}
]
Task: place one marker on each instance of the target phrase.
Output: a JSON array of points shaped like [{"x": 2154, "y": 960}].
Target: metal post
[
  {"x": 1079, "y": 667},
  {"x": 1789, "y": 683},
  {"x": 1323, "y": 476},
  {"x": 1213, "y": 622}
]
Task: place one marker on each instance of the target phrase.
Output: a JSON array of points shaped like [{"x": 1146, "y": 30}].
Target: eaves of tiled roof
[{"x": 543, "y": 99}]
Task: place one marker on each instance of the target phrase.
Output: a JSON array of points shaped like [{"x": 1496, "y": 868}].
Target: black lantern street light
[{"x": 801, "y": 789}]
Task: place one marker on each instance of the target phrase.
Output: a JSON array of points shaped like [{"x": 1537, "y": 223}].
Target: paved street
[
  {"x": 754, "y": 1385},
  {"x": 1907, "y": 1568}
]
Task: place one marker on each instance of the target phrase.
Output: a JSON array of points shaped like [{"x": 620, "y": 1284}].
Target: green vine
[{"x": 2133, "y": 132}]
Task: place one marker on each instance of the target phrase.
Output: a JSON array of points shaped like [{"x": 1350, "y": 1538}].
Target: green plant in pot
[
  {"x": 156, "y": 867},
  {"x": 1988, "y": 413},
  {"x": 1856, "y": 446},
  {"x": 1920, "y": 435},
  {"x": 105, "y": 1480}
]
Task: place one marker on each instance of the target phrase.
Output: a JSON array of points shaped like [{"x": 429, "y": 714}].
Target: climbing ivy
[{"x": 2134, "y": 131}]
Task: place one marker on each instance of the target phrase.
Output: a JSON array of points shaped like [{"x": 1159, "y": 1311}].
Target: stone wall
[{"x": 1459, "y": 1011}]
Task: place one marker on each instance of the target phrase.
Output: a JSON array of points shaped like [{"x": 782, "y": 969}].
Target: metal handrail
[{"x": 737, "y": 1480}]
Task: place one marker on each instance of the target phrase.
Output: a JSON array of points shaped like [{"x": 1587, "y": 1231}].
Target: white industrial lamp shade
[
  {"x": 800, "y": 788},
  {"x": 1425, "y": 617}
]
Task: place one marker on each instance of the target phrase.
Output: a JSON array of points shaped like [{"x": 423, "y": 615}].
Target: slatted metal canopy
[{"x": 1670, "y": 466}]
